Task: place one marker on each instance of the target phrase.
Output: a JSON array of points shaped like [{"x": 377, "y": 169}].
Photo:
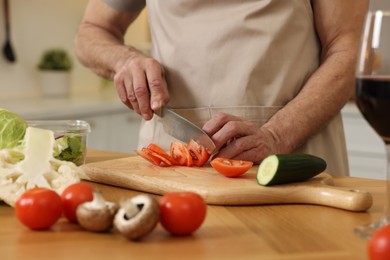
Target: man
[{"x": 260, "y": 76}]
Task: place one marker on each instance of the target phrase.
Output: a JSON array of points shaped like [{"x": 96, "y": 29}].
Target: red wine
[{"x": 373, "y": 100}]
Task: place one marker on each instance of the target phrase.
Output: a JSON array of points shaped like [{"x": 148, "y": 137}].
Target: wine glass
[{"x": 373, "y": 93}]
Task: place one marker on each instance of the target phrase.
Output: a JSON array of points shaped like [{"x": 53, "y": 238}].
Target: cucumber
[{"x": 286, "y": 168}]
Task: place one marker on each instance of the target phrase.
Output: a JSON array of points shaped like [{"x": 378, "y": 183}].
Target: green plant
[{"x": 55, "y": 59}]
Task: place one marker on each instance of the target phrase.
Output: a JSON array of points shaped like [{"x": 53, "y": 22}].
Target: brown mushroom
[
  {"x": 96, "y": 215},
  {"x": 137, "y": 216}
]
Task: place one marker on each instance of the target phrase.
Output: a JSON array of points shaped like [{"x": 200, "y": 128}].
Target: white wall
[{"x": 40, "y": 24}]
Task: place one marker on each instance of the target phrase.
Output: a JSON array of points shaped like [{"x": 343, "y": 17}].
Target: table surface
[{"x": 229, "y": 232}]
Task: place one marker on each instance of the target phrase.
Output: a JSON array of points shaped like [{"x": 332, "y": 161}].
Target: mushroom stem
[{"x": 130, "y": 209}]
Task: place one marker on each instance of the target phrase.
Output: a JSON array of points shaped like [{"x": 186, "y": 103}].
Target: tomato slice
[
  {"x": 231, "y": 168},
  {"x": 156, "y": 155},
  {"x": 181, "y": 154},
  {"x": 198, "y": 153},
  {"x": 159, "y": 152},
  {"x": 145, "y": 153}
]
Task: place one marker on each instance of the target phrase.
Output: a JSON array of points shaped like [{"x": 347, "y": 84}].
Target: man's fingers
[
  {"x": 141, "y": 90},
  {"x": 218, "y": 121},
  {"x": 157, "y": 85},
  {"x": 121, "y": 88}
]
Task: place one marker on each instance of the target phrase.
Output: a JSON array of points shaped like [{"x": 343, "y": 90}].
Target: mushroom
[
  {"x": 137, "y": 216},
  {"x": 96, "y": 215}
]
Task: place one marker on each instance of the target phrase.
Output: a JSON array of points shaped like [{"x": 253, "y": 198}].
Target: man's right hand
[{"x": 141, "y": 84}]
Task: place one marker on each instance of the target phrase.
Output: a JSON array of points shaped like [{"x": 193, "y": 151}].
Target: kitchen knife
[{"x": 184, "y": 130}]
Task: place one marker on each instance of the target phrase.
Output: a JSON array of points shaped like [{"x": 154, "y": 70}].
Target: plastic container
[{"x": 71, "y": 138}]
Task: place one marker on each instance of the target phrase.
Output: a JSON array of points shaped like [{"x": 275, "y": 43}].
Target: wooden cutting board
[{"x": 138, "y": 174}]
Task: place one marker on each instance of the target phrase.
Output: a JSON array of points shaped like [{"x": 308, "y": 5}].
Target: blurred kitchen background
[{"x": 38, "y": 25}]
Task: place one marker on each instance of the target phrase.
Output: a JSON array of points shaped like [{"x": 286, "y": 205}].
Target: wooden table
[{"x": 235, "y": 232}]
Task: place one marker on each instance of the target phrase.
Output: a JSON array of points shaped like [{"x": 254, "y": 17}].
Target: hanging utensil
[{"x": 8, "y": 51}]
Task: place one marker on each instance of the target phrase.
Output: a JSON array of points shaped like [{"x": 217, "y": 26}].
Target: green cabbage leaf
[{"x": 12, "y": 129}]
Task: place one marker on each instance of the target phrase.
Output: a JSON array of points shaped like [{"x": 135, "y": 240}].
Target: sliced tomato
[
  {"x": 164, "y": 160},
  {"x": 198, "y": 153},
  {"x": 231, "y": 168},
  {"x": 156, "y": 155},
  {"x": 181, "y": 154},
  {"x": 144, "y": 153},
  {"x": 161, "y": 153},
  {"x": 156, "y": 148}
]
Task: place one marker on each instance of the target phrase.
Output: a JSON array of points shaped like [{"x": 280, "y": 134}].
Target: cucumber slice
[{"x": 286, "y": 168}]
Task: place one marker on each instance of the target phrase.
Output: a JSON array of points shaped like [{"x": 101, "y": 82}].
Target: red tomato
[
  {"x": 181, "y": 154},
  {"x": 379, "y": 244},
  {"x": 229, "y": 167},
  {"x": 73, "y": 196},
  {"x": 38, "y": 208},
  {"x": 182, "y": 213},
  {"x": 198, "y": 153}
]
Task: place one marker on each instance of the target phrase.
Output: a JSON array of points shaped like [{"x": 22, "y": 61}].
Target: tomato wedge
[
  {"x": 231, "y": 168},
  {"x": 181, "y": 154},
  {"x": 198, "y": 153}
]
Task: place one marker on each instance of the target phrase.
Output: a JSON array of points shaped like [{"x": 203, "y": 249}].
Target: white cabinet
[
  {"x": 124, "y": 128},
  {"x": 114, "y": 131},
  {"x": 98, "y": 138},
  {"x": 366, "y": 150}
]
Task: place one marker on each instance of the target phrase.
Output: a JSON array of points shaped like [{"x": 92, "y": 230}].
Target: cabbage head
[{"x": 12, "y": 129}]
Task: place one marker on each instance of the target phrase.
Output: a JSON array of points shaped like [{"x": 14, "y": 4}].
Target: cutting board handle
[{"x": 338, "y": 197}]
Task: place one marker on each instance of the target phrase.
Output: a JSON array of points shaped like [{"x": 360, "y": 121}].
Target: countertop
[{"x": 229, "y": 232}]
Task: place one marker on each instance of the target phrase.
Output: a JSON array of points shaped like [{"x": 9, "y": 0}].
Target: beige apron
[{"x": 247, "y": 58}]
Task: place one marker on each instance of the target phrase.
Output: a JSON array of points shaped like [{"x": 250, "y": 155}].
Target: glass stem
[
  {"x": 387, "y": 203},
  {"x": 367, "y": 230}
]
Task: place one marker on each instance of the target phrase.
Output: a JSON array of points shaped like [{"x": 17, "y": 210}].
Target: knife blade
[{"x": 183, "y": 129}]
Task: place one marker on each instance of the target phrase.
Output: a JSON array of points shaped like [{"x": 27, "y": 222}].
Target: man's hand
[
  {"x": 141, "y": 85},
  {"x": 237, "y": 138}
]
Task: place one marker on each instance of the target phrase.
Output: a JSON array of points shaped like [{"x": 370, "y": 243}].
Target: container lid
[{"x": 62, "y": 126}]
